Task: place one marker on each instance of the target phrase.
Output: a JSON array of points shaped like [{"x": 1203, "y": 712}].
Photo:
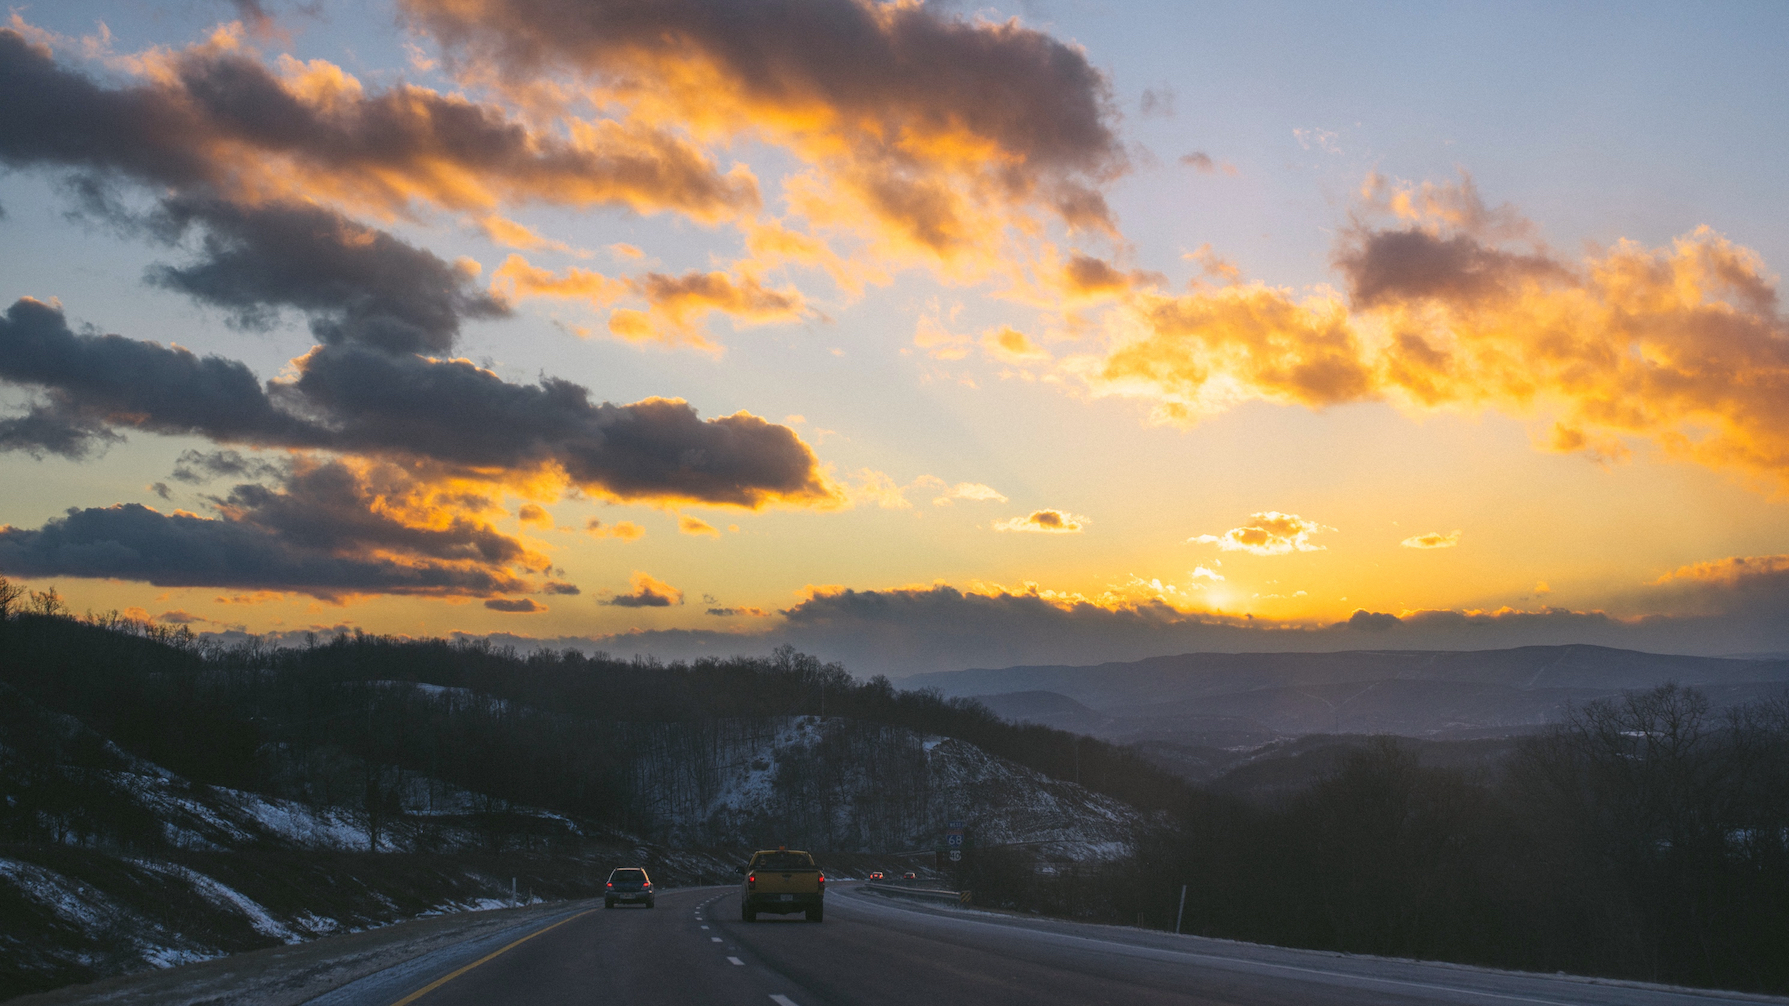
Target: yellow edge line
[{"x": 443, "y": 980}]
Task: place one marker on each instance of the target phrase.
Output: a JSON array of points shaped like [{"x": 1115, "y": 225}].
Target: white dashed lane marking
[
  {"x": 714, "y": 939},
  {"x": 735, "y": 960},
  {"x": 782, "y": 1001}
]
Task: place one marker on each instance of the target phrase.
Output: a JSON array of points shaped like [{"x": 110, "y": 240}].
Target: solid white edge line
[{"x": 1160, "y": 952}]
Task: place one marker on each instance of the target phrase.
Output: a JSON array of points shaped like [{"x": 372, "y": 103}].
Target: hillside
[
  {"x": 161, "y": 804},
  {"x": 1242, "y": 699},
  {"x": 111, "y": 863},
  {"x": 845, "y": 785}
]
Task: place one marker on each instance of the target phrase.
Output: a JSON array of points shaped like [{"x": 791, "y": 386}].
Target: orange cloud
[
  {"x": 675, "y": 305},
  {"x": 696, "y": 526},
  {"x": 1200, "y": 354},
  {"x": 1012, "y": 346},
  {"x": 1683, "y": 346},
  {"x": 1434, "y": 539},
  {"x": 334, "y": 529},
  {"x": 647, "y": 592},
  {"x": 880, "y": 488},
  {"x": 509, "y": 233},
  {"x": 1268, "y": 533},
  {"x": 516, "y": 279},
  {"x": 1088, "y": 278},
  {"x": 915, "y": 165},
  {"x": 532, "y": 513},
  {"x": 1727, "y": 571},
  {"x": 1045, "y": 522},
  {"x": 310, "y": 131},
  {"x": 627, "y": 530}
]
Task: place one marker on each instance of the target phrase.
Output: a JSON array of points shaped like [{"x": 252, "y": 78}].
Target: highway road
[{"x": 873, "y": 949}]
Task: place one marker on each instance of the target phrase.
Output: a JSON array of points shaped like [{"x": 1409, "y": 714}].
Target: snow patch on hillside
[
  {"x": 98, "y": 916},
  {"x": 844, "y": 785},
  {"x": 227, "y": 898}
]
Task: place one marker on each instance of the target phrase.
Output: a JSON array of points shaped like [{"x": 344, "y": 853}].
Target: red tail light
[
  {"x": 646, "y": 886},
  {"x": 751, "y": 881},
  {"x": 609, "y": 884},
  {"x": 822, "y": 879}
]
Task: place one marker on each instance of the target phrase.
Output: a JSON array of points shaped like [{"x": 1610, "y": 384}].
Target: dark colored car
[
  {"x": 628, "y": 885},
  {"x": 909, "y": 875},
  {"x": 877, "y": 875}
]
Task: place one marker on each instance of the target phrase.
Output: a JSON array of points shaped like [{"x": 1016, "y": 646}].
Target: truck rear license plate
[{"x": 788, "y": 897}]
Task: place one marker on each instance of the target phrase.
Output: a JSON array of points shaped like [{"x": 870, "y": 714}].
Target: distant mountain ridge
[{"x": 1234, "y": 699}]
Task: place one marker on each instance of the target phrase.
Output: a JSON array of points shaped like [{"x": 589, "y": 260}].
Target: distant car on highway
[
  {"x": 628, "y": 885},
  {"x": 781, "y": 882},
  {"x": 909, "y": 875},
  {"x": 877, "y": 876}
]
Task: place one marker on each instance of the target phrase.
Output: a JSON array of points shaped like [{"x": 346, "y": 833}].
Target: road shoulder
[{"x": 291, "y": 975}]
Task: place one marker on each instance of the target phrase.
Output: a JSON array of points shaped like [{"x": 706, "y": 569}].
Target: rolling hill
[{"x": 1247, "y": 699}]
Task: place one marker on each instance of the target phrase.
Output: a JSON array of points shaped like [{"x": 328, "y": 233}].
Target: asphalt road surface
[{"x": 873, "y": 949}]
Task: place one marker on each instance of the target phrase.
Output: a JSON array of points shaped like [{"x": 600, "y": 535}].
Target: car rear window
[
  {"x": 785, "y": 861},
  {"x": 627, "y": 876}
]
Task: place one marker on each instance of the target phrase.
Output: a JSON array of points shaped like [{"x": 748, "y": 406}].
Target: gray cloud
[
  {"x": 879, "y": 73},
  {"x": 331, "y": 507},
  {"x": 200, "y": 467},
  {"x": 54, "y": 117},
  {"x": 47, "y": 429},
  {"x": 1018, "y": 86},
  {"x": 93, "y": 382},
  {"x": 647, "y": 593},
  {"x": 323, "y": 529},
  {"x": 220, "y": 124},
  {"x": 455, "y": 412},
  {"x": 1392, "y": 265},
  {"x": 221, "y": 118},
  {"x": 1157, "y": 101},
  {"x": 901, "y": 632},
  {"x": 520, "y": 605},
  {"x": 1370, "y": 621},
  {"x": 356, "y": 283},
  {"x": 132, "y": 542},
  {"x": 358, "y": 399}
]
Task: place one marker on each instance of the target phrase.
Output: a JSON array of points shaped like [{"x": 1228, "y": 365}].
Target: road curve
[{"x": 874, "y": 949}]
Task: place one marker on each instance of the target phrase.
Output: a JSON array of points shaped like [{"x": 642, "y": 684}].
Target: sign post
[{"x": 1182, "y": 913}]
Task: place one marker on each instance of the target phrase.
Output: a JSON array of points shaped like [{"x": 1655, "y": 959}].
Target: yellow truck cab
[{"x": 782, "y": 882}]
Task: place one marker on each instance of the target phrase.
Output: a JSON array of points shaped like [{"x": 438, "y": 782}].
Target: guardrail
[{"x": 925, "y": 893}]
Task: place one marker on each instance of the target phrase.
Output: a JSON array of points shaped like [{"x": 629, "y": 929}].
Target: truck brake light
[
  {"x": 751, "y": 881},
  {"x": 822, "y": 879}
]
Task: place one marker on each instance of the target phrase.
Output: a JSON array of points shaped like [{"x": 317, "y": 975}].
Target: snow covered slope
[{"x": 844, "y": 785}]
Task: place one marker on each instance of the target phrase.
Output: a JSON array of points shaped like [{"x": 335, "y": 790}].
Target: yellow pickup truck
[{"x": 782, "y": 882}]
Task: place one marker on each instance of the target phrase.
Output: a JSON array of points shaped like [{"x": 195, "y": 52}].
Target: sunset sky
[{"x": 920, "y": 336}]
